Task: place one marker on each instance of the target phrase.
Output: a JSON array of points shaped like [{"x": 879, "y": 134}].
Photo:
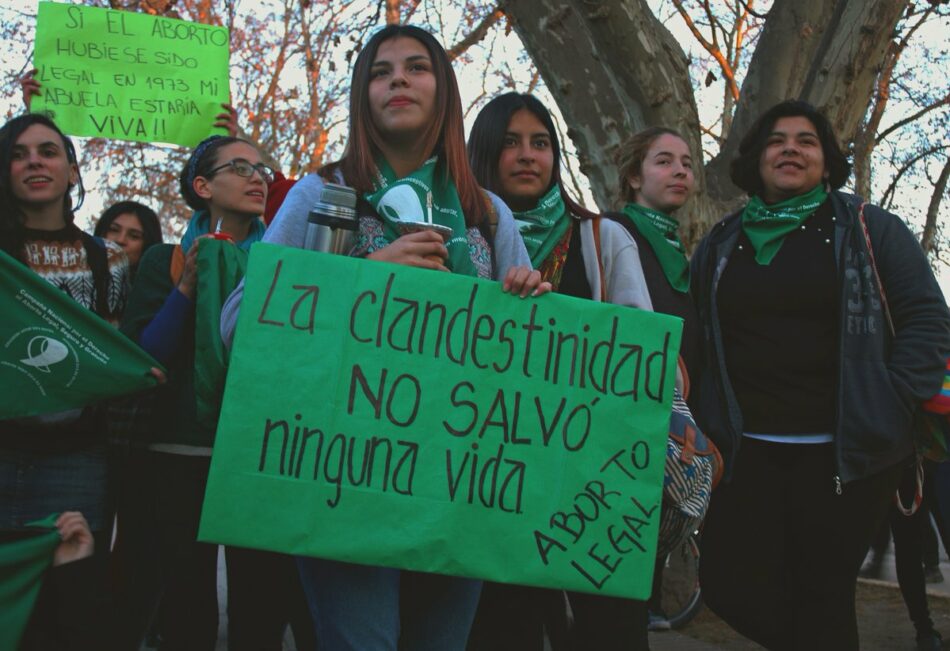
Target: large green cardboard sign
[
  {"x": 131, "y": 76},
  {"x": 408, "y": 418},
  {"x": 55, "y": 355}
]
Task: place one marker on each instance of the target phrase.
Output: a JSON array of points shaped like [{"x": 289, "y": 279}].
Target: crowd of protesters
[{"x": 812, "y": 415}]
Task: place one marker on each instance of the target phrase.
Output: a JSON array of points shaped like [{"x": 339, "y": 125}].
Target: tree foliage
[{"x": 705, "y": 67}]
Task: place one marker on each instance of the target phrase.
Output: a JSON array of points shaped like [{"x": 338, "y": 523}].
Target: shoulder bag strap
[
  {"x": 877, "y": 276},
  {"x": 600, "y": 259},
  {"x": 919, "y": 483}
]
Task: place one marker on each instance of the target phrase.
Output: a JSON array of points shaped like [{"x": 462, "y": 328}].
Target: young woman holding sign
[
  {"x": 405, "y": 127},
  {"x": 225, "y": 182},
  {"x": 515, "y": 152},
  {"x": 53, "y": 462}
]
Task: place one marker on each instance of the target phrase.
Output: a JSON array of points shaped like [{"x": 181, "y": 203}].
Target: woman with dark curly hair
[
  {"x": 131, "y": 225},
  {"x": 805, "y": 390}
]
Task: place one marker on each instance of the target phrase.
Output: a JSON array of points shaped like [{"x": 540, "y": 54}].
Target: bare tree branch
[
  {"x": 392, "y": 12},
  {"x": 711, "y": 47},
  {"x": 477, "y": 34},
  {"x": 930, "y": 226},
  {"x": 888, "y": 197},
  {"x": 943, "y": 101},
  {"x": 748, "y": 8}
]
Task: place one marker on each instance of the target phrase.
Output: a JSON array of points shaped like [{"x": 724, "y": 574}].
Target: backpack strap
[
  {"x": 492, "y": 219},
  {"x": 176, "y": 266},
  {"x": 877, "y": 276},
  {"x": 919, "y": 479},
  {"x": 600, "y": 259},
  {"x": 98, "y": 260}
]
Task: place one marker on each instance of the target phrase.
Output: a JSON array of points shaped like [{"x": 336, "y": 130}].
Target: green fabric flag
[
  {"x": 421, "y": 197},
  {"x": 55, "y": 355},
  {"x": 385, "y": 415},
  {"x": 543, "y": 227},
  {"x": 660, "y": 231},
  {"x": 221, "y": 265},
  {"x": 22, "y": 566},
  {"x": 767, "y": 225}
]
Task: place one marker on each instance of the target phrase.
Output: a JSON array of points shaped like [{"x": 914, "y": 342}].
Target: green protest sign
[
  {"x": 131, "y": 76},
  {"x": 393, "y": 416},
  {"x": 55, "y": 355}
]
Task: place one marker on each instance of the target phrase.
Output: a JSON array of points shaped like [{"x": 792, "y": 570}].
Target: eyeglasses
[{"x": 246, "y": 169}]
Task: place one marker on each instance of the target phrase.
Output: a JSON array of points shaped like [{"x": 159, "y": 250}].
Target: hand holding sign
[
  {"x": 129, "y": 76},
  {"x": 430, "y": 421}
]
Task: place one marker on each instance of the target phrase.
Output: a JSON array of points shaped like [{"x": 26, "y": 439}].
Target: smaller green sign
[
  {"x": 55, "y": 355},
  {"x": 130, "y": 76}
]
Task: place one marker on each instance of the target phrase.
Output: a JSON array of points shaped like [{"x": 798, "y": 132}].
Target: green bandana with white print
[
  {"x": 543, "y": 226},
  {"x": 767, "y": 225},
  {"x": 415, "y": 198}
]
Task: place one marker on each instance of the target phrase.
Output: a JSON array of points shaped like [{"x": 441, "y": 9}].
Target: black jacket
[{"x": 882, "y": 379}]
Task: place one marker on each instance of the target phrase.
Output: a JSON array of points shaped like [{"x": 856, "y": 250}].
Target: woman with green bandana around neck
[
  {"x": 515, "y": 153},
  {"x": 405, "y": 132},
  {"x": 806, "y": 390},
  {"x": 514, "y": 150},
  {"x": 655, "y": 171}
]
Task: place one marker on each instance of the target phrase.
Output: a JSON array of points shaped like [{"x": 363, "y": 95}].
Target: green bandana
[
  {"x": 413, "y": 198},
  {"x": 22, "y": 566},
  {"x": 221, "y": 266},
  {"x": 543, "y": 226},
  {"x": 767, "y": 226},
  {"x": 660, "y": 231}
]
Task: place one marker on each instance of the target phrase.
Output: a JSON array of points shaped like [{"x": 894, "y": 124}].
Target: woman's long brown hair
[{"x": 445, "y": 135}]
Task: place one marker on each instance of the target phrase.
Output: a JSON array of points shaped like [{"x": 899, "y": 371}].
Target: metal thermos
[{"x": 332, "y": 221}]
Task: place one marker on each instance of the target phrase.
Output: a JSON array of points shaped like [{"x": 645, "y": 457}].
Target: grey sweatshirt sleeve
[
  {"x": 623, "y": 273},
  {"x": 508, "y": 248},
  {"x": 289, "y": 228}
]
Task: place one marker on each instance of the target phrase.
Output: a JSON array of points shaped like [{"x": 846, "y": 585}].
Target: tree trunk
[
  {"x": 866, "y": 137},
  {"x": 614, "y": 69},
  {"x": 828, "y": 54}
]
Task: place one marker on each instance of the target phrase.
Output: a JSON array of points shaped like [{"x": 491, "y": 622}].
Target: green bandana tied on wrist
[
  {"x": 767, "y": 226},
  {"x": 413, "y": 197},
  {"x": 543, "y": 226},
  {"x": 660, "y": 231}
]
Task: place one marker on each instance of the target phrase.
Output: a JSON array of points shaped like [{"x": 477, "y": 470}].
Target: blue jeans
[{"x": 365, "y": 608}]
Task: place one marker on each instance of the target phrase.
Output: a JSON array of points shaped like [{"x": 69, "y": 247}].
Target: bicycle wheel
[{"x": 680, "y": 595}]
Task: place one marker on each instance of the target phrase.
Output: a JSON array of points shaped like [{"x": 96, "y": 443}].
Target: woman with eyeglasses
[{"x": 225, "y": 182}]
